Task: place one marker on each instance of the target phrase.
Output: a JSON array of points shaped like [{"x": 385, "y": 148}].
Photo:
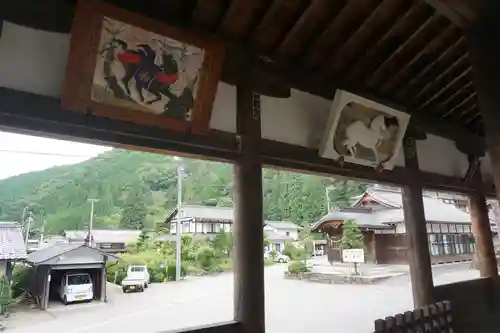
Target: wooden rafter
[
  {"x": 425, "y": 31},
  {"x": 444, "y": 88},
  {"x": 451, "y": 32},
  {"x": 458, "y": 46},
  {"x": 208, "y": 13},
  {"x": 239, "y": 17},
  {"x": 458, "y": 92},
  {"x": 462, "y": 61},
  {"x": 372, "y": 27},
  {"x": 472, "y": 117},
  {"x": 314, "y": 17},
  {"x": 338, "y": 30},
  {"x": 277, "y": 20},
  {"x": 463, "y": 103},
  {"x": 467, "y": 110},
  {"x": 418, "y": 9}
]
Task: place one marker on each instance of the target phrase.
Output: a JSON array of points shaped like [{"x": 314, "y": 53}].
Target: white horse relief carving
[{"x": 369, "y": 137}]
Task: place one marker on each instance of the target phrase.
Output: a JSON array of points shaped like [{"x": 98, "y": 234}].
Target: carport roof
[{"x": 58, "y": 249}]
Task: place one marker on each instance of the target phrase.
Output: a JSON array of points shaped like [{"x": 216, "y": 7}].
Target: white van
[{"x": 76, "y": 287}]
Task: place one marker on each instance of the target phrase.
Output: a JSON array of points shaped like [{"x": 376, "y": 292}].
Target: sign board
[{"x": 353, "y": 255}]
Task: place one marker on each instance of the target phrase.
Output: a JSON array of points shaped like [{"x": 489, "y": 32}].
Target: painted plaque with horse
[
  {"x": 363, "y": 132},
  {"x": 140, "y": 70}
]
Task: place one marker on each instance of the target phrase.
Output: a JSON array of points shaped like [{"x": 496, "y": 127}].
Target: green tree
[
  {"x": 222, "y": 244},
  {"x": 352, "y": 238},
  {"x": 135, "y": 211}
]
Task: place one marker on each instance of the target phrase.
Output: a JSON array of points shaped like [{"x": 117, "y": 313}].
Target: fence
[{"x": 434, "y": 318}]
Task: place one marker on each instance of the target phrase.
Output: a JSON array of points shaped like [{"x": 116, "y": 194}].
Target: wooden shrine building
[
  {"x": 379, "y": 214},
  {"x": 401, "y": 92}
]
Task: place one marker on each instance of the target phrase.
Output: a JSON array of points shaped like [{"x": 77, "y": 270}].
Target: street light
[{"x": 180, "y": 176}]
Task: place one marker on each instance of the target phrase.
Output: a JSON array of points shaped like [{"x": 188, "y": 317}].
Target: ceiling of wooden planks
[{"x": 402, "y": 51}]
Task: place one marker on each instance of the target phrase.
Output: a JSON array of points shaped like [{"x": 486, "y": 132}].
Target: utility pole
[
  {"x": 327, "y": 198},
  {"x": 29, "y": 220},
  {"x": 89, "y": 239},
  {"x": 41, "y": 232},
  {"x": 178, "y": 229}
]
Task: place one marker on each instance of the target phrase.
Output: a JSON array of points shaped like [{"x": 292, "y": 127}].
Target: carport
[{"x": 51, "y": 263}]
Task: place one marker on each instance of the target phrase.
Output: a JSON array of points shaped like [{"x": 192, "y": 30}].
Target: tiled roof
[
  {"x": 11, "y": 241},
  {"x": 282, "y": 225},
  {"x": 207, "y": 213},
  {"x": 58, "y": 249},
  {"x": 274, "y": 236},
  {"x": 435, "y": 210},
  {"x": 105, "y": 235},
  {"x": 366, "y": 219},
  {"x": 51, "y": 252}
]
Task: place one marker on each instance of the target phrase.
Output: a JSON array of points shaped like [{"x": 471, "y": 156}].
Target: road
[{"x": 291, "y": 306}]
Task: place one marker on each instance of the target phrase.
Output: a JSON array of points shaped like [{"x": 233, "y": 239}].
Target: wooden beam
[
  {"x": 450, "y": 11},
  {"x": 463, "y": 13},
  {"x": 42, "y": 115},
  {"x": 249, "y": 305},
  {"x": 416, "y": 230}
]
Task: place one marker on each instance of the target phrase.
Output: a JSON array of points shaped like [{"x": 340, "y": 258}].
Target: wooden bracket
[{"x": 473, "y": 169}]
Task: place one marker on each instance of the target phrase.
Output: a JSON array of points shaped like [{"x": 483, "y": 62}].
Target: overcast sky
[{"x": 23, "y": 153}]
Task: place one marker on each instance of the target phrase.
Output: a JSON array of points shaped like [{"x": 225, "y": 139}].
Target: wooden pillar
[
  {"x": 416, "y": 230},
  {"x": 248, "y": 227},
  {"x": 485, "y": 252},
  {"x": 484, "y": 54}
]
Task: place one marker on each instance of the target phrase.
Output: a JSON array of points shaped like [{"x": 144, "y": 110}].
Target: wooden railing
[{"x": 434, "y": 318}]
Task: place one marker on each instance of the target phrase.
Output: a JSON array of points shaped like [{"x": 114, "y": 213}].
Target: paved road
[{"x": 291, "y": 306}]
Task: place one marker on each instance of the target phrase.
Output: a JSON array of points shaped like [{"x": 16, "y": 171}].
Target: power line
[{"x": 43, "y": 153}]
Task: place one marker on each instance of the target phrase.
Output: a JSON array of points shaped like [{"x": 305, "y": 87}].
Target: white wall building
[{"x": 203, "y": 220}]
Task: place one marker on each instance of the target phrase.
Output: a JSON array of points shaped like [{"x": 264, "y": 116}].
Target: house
[
  {"x": 12, "y": 247},
  {"x": 203, "y": 219},
  {"x": 107, "y": 240},
  {"x": 379, "y": 215},
  {"x": 278, "y": 233}
]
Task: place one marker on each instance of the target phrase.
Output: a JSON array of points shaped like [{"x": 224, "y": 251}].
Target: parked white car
[
  {"x": 76, "y": 287},
  {"x": 279, "y": 257},
  {"x": 137, "y": 278},
  {"x": 320, "y": 252}
]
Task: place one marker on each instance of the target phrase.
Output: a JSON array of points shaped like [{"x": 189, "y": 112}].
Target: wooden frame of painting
[
  {"x": 362, "y": 131},
  {"x": 125, "y": 66}
]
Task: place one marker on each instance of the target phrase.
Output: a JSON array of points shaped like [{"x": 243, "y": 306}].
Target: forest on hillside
[{"x": 137, "y": 190}]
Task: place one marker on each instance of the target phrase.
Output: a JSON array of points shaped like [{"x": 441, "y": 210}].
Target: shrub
[
  {"x": 205, "y": 257},
  {"x": 171, "y": 269},
  {"x": 5, "y": 294},
  {"x": 225, "y": 265},
  {"x": 297, "y": 267},
  {"x": 20, "y": 280}
]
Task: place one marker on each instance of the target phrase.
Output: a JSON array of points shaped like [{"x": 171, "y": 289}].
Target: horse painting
[
  {"x": 357, "y": 133},
  {"x": 136, "y": 63}
]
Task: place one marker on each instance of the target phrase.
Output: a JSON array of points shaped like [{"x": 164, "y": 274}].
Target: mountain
[{"x": 137, "y": 189}]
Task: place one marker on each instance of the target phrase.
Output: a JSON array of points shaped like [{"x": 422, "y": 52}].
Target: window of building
[{"x": 288, "y": 233}]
